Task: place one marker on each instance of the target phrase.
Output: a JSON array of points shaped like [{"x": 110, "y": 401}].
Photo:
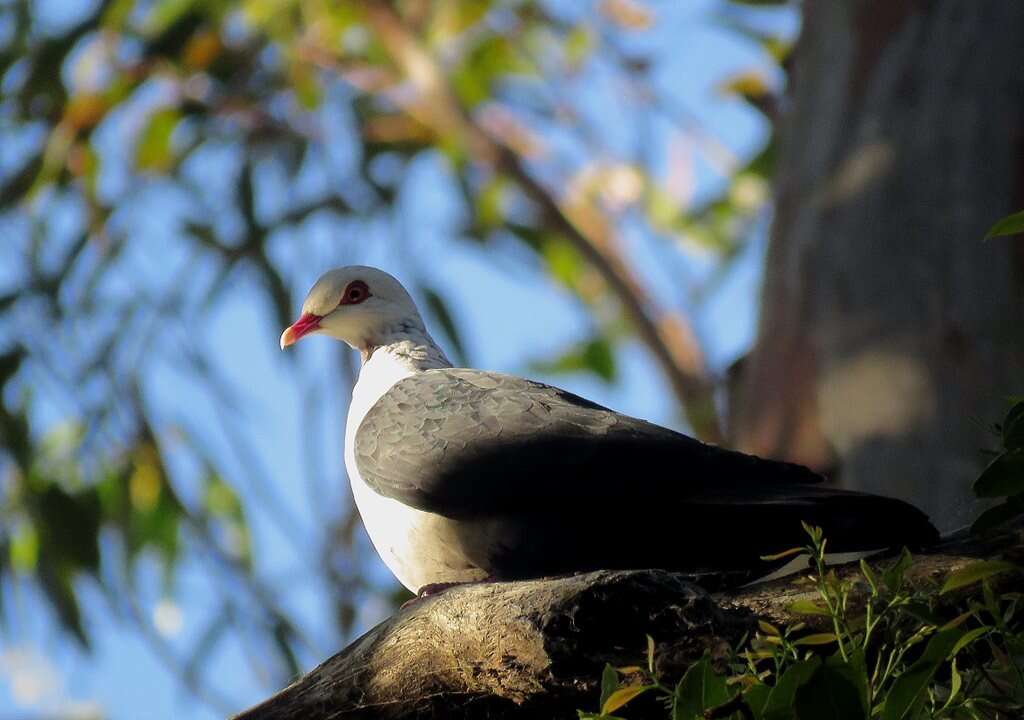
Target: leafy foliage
[
  {"x": 1004, "y": 475},
  {"x": 1009, "y": 225},
  {"x": 160, "y": 155},
  {"x": 903, "y": 652}
]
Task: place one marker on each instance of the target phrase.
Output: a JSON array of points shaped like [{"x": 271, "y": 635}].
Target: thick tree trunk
[
  {"x": 535, "y": 649},
  {"x": 888, "y": 329}
]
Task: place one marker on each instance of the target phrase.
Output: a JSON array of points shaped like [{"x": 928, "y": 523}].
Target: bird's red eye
[{"x": 355, "y": 293}]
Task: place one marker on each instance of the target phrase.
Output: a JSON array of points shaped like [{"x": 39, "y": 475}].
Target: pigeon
[{"x": 463, "y": 475}]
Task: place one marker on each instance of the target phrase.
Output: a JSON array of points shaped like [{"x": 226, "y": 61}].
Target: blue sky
[{"x": 510, "y": 314}]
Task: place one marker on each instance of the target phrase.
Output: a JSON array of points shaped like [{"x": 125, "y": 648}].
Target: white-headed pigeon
[{"x": 463, "y": 475}]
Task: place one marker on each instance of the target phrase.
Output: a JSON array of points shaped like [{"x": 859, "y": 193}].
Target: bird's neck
[
  {"x": 408, "y": 345},
  {"x": 395, "y": 356}
]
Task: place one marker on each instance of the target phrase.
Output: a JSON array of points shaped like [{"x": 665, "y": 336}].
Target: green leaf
[
  {"x": 1003, "y": 476},
  {"x": 629, "y": 669},
  {"x": 957, "y": 621},
  {"x": 579, "y": 44},
  {"x": 650, "y": 654},
  {"x": 814, "y": 532},
  {"x": 924, "y": 614},
  {"x": 622, "y": 696},
  {"x": 955, "y": 683},
  {"x": 69, "y": 527},
  {"x": 854, "y": 669},
  {"x": 493, "y": 57},
  {"x": 763, "y": 163},
  {"x": 999, "y": 515},
  {"x": 751, "y": 85},
  {"x": 609, "y": 683},
  {"x": 869, "y": 575},
  {"x": 756, "y": 698},
  {"x": 909, "y": 689},
  {"x": 10, "y": 362},
  {"x": 56, "y": 584},
  {"x": 1013, "y": 427},
  {"x": 490, "y": 202},
  {"x": 153, "y": 151},
  {"x": 968, "y": 637},
  {"x": 784, "y": 554},
  {"x": 116, "y": 14},
  {"x": 282, "y": 632},
  {"x": 829, "y": 694},
  {"x": 224, "y": 505},
  {"x": 816, "y": 639},
  {"x": 893, "y": 576},
  {"x": 15, "y": 438},
  {"x": 24, "y": 548},
  {"x": 54, "y": 158},
  {"x": 596, "y": 356},
  {"x": 451, "y": 18},
  {"x": 1009, "y": 225},
  {"x": 974, "y": 573},
  {"x": 565, "y": 263},
  {"x": 164, "y": 14},
  {"x": 701, "y": 688},
  {"x": 779, "y": 705},
  {"x": 991, "y": 604},
  {"x": 220, "y": 499},
  {"x": 806, "y": 607}
]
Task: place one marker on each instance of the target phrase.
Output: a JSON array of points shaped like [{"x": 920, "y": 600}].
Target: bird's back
[{"x": 538, "y": 481}]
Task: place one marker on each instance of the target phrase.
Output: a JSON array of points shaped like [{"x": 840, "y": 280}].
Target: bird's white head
[{"x": 360, "y": 305}]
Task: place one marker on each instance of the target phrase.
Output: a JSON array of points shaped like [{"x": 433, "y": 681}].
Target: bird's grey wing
[{"x": 467, "y": 443}]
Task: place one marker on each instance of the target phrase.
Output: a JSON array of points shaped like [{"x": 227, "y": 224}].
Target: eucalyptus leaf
[
  {"x": 806, "y": 607},
  {"x": 779, "y": 705},
  {"x": 955, "y": 684},
  {"x": 153, "y": 150},
  {"x": 791, "y": 552},
  {"x": 622, "y": 696},
  {"x": 701, "y": 688},
  {"x": 908, "y": 692},
  {"x": 596, "y": 356},
  {"x": 893, "y": 575},
  {"x": 1003, "y": 476},
  {"x": 609, "y": 683},
  {"x": 816, "y": 639},
  {"x": 1009, "y": 225},
  {"x": 976, "y": 572},
  {"x": 1013, "y": 427},
  {"x": 999, "y": 515},
  {"x": 828, "y": 694}
]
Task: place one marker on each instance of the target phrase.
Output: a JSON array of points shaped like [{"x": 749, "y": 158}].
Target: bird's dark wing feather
[
  {"x": 469, "y": 444},
  {"x": 465, "y": 443}
]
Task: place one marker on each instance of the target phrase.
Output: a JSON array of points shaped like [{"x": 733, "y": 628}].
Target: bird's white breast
[{"x": 418, "y": 547}]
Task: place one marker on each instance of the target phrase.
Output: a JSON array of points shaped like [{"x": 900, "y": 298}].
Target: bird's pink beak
[{"x": 303, "y": 326}]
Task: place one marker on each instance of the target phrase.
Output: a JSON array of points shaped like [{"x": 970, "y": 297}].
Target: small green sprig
[{"x": 893, "y": 650}]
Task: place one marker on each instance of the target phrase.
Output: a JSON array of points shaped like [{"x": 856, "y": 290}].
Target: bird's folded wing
[{"x": 468, "y": 443}]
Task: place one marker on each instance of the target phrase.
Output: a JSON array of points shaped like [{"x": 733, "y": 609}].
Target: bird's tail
[{"x": 854, "y": 521}]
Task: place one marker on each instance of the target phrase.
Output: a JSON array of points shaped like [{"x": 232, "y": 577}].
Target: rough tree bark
[
  {"x": 888, "y": 330},
  {"x": 535, "y": 649}
]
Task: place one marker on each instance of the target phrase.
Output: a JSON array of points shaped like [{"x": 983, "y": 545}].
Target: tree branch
[{"x": 536, "y": 648}]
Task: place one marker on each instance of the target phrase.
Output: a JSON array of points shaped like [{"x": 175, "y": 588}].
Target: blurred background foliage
[{"x": 158, "y": 157}]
